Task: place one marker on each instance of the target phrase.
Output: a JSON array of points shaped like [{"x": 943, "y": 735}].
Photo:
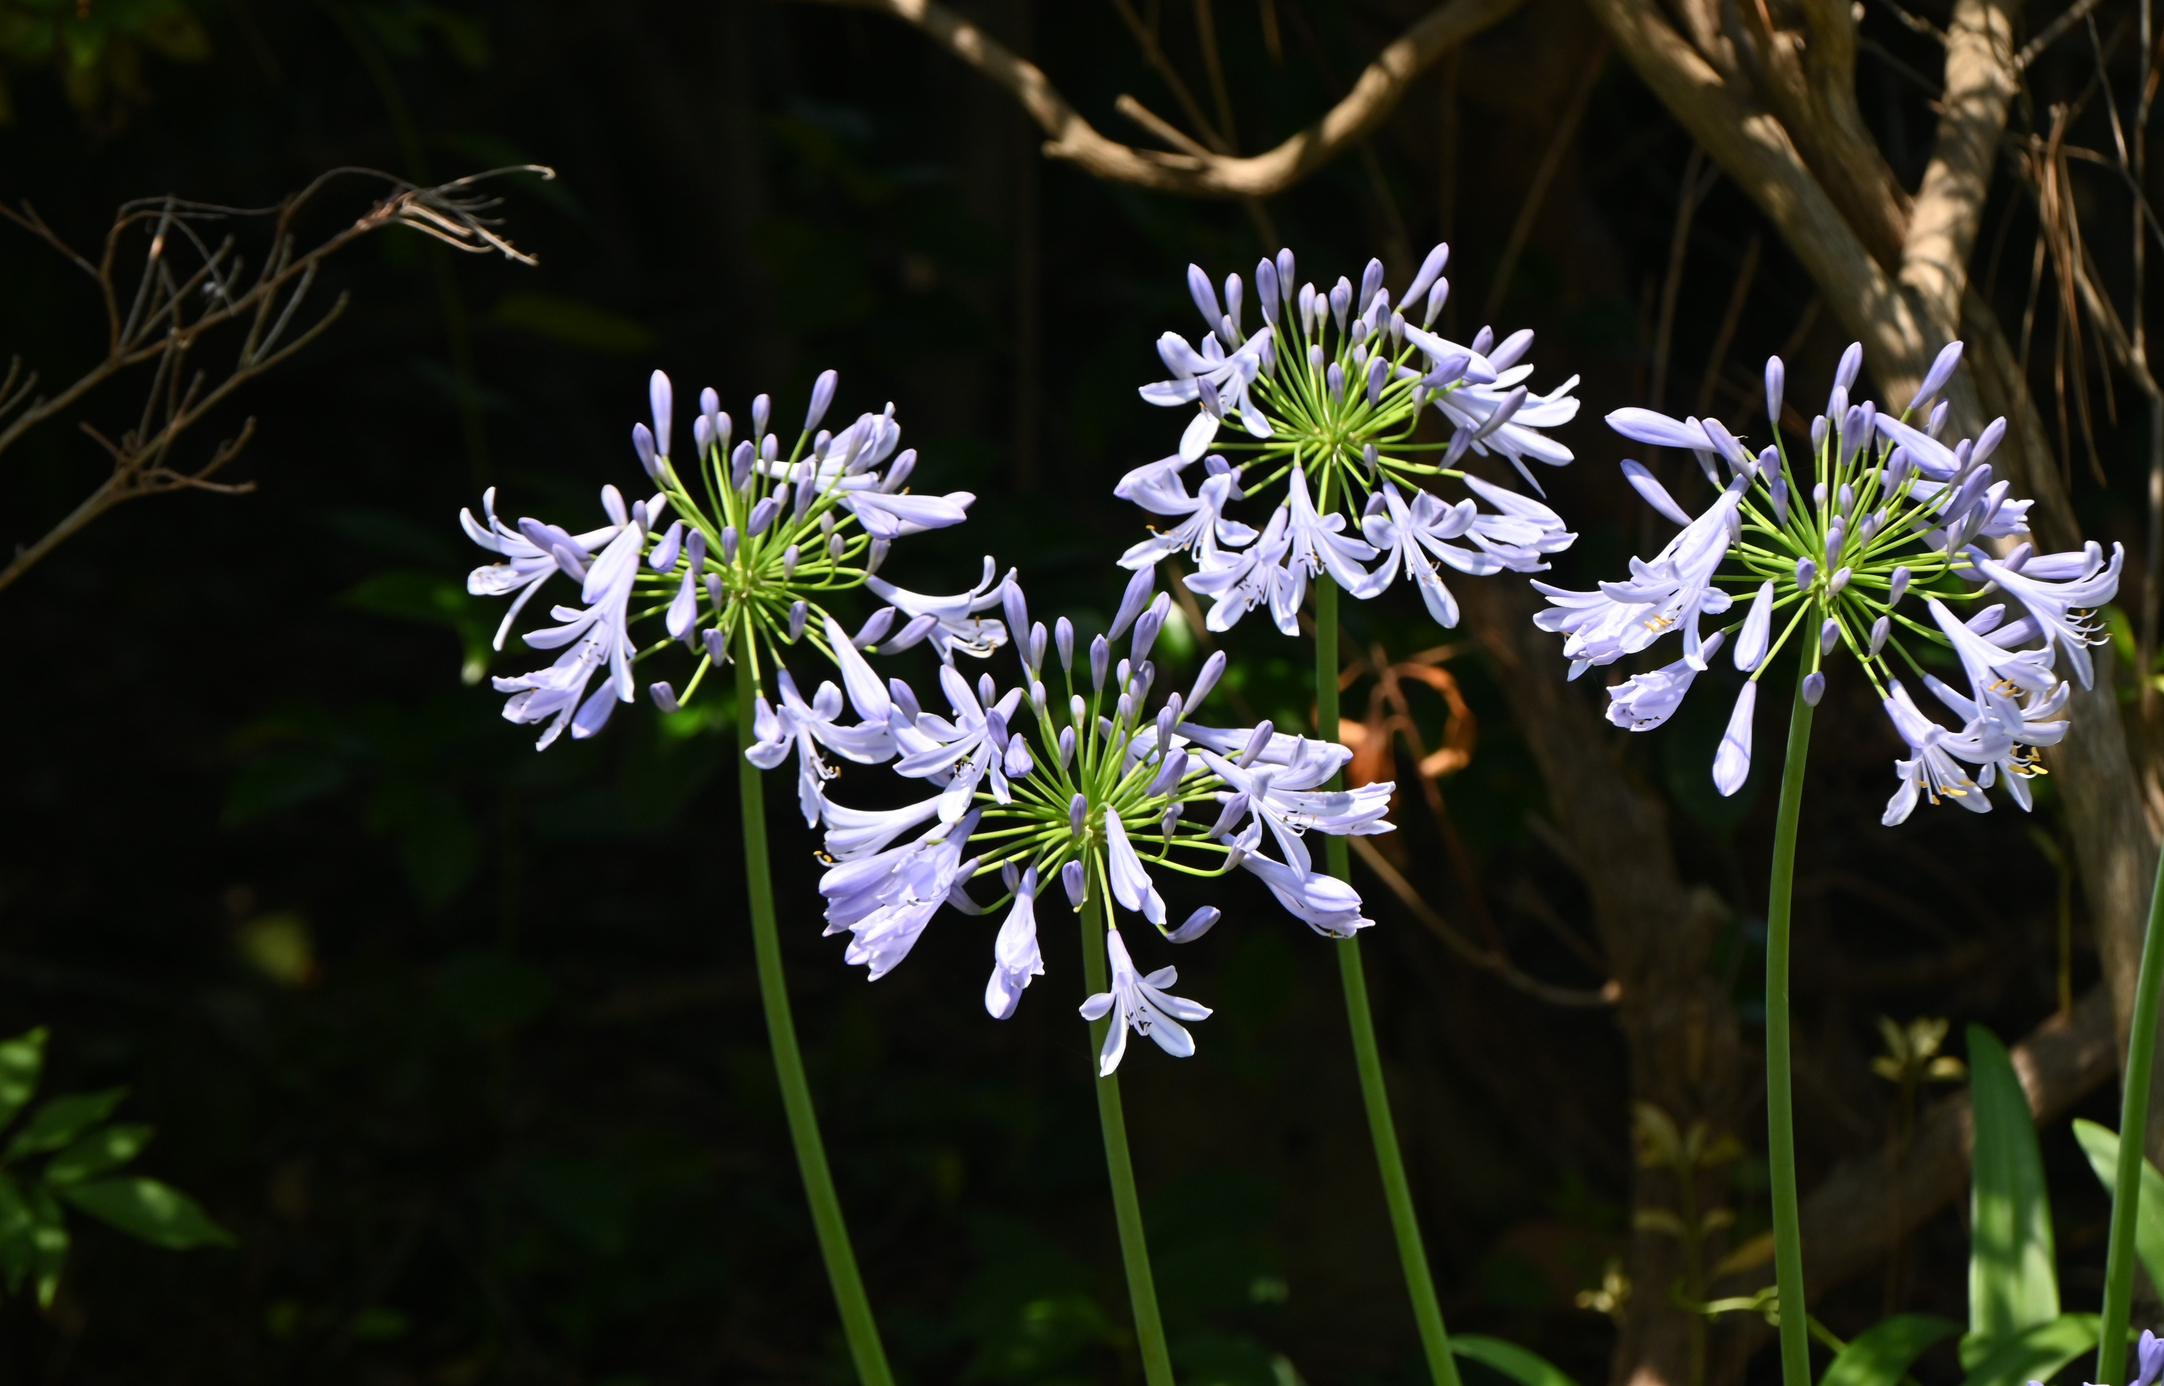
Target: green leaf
[
  {"x": 2012, "y": 1286},
  {"x": 15, "y": 1227},
  {"x": 22, "y": 1062},
  {"x": 56, "y": 1123},
  {"x": 108, "y": 1147},
  {"x": 1520, "y": 1365},
  {"x": 2101, "y": 1145},
  {"x": 48, "y": 1243},
  {"x": 2036, "y": 1353},
  {"x": 158, "y": 1213},
  {"x": 1882, "y": 1354}
]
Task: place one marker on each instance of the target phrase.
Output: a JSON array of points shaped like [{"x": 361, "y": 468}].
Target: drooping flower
[
  {"x": 1328, "y": 393},
  {"x": 1144, "y": 1006},
  {"x": 1099, "y": 793},
  {"x": 1829, "y": 543},
  {"x": 1015, "y": 956}
]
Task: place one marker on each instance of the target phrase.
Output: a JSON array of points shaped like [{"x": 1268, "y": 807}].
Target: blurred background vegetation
[{"x": 461, "y": 1042}]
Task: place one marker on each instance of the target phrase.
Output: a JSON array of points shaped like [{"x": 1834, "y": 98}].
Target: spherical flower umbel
[
  {"x": 759, "y": 542},
  {"x": 1095, "y": 794},
  {"x": 1860, "y": 543},
  {"x": 1327, "y": 396}
]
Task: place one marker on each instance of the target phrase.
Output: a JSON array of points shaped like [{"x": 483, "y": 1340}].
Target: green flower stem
[
  {"x": 1126, "y": 1206},
  {"x": 1382, "y": 1130},
  {"x": 2133, "y": 1126},
  {"x": 858, "y": 1325},
  {"x": 1780, "y": 1108}
]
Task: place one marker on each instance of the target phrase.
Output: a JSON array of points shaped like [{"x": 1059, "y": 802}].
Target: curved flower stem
[
  {"x": 1397, "y": 1190},
  {"x": 2133, "y": 1126},
  {"x": 1126, "y": 1206},
  {"x": 1780, "y": 1110},
  {"x": 858, "y": 1325}
]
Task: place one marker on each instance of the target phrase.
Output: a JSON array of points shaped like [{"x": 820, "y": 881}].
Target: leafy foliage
[{"x": 84, "y": 1151}]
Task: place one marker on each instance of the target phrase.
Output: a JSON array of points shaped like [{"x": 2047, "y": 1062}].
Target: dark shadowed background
[{"x": 462, "y": 1041}]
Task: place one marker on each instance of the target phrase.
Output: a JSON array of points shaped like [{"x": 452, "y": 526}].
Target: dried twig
[
  {"x": 187, "y": 288},
  {"x": 1607, "y": 994}
]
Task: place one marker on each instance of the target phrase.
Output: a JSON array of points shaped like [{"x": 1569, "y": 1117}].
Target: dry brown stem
[{"x": 187, "y": 288}]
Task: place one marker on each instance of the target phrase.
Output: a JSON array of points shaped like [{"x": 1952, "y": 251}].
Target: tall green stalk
[
  {"x": 1126, "y": 1206},
  {"x": 2133, "y": 1128},
  {"x": 858, "y": 1324},
  {"x": 1382, "y": 1130},
  {"x": 1780, "y": 1107}
]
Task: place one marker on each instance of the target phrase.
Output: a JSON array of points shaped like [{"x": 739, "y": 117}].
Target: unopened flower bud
[
  {"x": 1840, "y": 580},
  {"x": 1235, "y": 809},
  {"x": 664, "y": 696},
  {"x": 1880, "y": 628},
  {"x": 1066, "y": 745},
  {"x": 1806, "y": 573},
  {"x": 1100, "y": 662},
  {"x": 1898, "y": 587},
  {"x": 798, "y": 611},
  {"x": 1063, "y": 639},
  {"x": 728, "y": 543},
  {"x": 1169, "y": 773},
  {"x": 1814, "y": 687},
  {"x": 822, "y": 397},
  {"x": 642, "y": 443},
  {"x": 875, "y": 554},
  {"x": 836, "y": 547},
  {"x": 1258, "y": 739},
  {"x": 1071, "y": 876},
  {"x": 1077, "y": 813},
  {"x": 1828, "y": 635},
  {"x": 789, "y": 558}
]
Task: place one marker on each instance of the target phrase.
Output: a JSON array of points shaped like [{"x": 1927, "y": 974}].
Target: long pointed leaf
[
  {"x": 2101, "y": 1145},
  {"x": 1520, "y": 1365},
  {"x": 1883, "y": 1353},
  {"x": 158, "y": 1213},
  {"x": 2012, "y": 1286},
  {"x": 2036, "y": 1353}
]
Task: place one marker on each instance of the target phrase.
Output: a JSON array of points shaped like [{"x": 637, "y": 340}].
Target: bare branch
[
  {"x": 1347, "y": 124},
  {"x": 173, "y": 307},
  {"x": 2052, "y": 33}
]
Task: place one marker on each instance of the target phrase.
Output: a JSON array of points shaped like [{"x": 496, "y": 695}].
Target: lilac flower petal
[
  {"x": 1653, "y": 493},
  {"x": 1732, "y": 763}
]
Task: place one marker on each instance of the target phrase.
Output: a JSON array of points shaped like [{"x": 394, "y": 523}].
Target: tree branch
[
  {"x": 1074, "y": 139},
  {"x": 1980, "y": 81}
]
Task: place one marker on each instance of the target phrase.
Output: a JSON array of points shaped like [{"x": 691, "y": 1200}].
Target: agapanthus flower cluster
[
  {"x": 1095, "y": 794},
  {"x": 759, "y": 540},
  {"x": 1329, "y": 394},
  {"x": 1862, "y": 543}
]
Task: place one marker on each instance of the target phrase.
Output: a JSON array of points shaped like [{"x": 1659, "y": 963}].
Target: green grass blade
[
  {"x": 2101, "y": 1145},
  {"x": 2012, "y": 1285}
]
